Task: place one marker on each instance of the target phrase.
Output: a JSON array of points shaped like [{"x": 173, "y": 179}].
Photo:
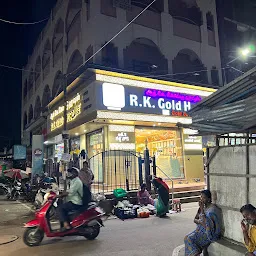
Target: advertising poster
[{"x": 37, "y": 154}]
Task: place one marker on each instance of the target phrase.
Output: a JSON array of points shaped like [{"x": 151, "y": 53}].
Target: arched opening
[
  {"x": 157, "y": 6},
  {"x": 30, "y": 114},
  {"x": 46, "y": 97},
  {"x": 57, "y": 41},
  {"x": 57, "y": 85},
  {"x": 25, "y": 120},
  {"x": 110, "y": 56},
  {"x": 38, "y": 71},
  {"x": 31, "y": 83},
  {"x": 186, "y": 10},
  {"x": 38, "y": 108},
  {"x": 88, "y": 54},
  {"x": 137, "y": 57},
  {"x": 75, "y": 61},
  {"x": 46, "y": 58},
  {"x": 73, "y": 20},
  {"x": 189, "y": 67},
  {"x": 25, "y": 90},
  {"x": 210, "y": 29}
]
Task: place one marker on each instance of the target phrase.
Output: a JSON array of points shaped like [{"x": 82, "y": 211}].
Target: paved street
[{"x": 138, "y": 237}]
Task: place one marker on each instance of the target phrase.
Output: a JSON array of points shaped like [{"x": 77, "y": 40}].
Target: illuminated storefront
[{"x": 122, "y": 112}]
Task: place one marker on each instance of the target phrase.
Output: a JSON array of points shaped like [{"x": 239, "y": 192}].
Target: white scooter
[{"x": 43, "y": 193}]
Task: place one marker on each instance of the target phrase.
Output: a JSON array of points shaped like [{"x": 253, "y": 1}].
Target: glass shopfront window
[
  {"x": 166, "y": 146},
  {"x": 95, "y": 145}
]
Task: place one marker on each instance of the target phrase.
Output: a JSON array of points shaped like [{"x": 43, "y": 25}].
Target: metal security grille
[
  {"x": 123, "y": 4},
  {"x": 115, "y": 169}
]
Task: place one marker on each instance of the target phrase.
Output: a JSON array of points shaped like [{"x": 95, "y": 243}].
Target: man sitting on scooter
[{"x": 74, "y": 197}]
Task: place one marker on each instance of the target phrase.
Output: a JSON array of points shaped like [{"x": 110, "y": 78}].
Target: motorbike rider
[{"x": 74, "y": 198}]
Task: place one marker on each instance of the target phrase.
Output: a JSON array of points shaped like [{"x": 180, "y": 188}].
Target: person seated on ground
[
  {"x": 144, "y": 197},
  {"x": 162, "y": 202},
  {"x": 208, "y": 229},
  {"x": 74, "y": 196},
  {"x": 248, "y": 226}
]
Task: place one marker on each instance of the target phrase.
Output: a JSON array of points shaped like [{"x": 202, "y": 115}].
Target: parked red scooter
[{"x": 85, "y": 223}]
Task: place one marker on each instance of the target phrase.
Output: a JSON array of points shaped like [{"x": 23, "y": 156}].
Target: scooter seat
[{"x": 76, "y": 213}]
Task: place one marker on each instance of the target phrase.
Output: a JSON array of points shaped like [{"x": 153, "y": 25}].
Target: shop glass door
[{"x": 166, "y": 146}]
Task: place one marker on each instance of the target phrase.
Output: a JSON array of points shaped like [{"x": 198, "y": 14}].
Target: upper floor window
[
  {"x": 187, "y": 67},
  {"x": 38, "y": 71},
  {"x": 186, "y": 10},
  {"x": 110, "y": 56},
  {"x": 136, "y": 57},
  {"x": 57, "y": 85},
  {"x": 30, "y": 114},
  {"x": 75, "y": 62},
  {"x": 25, "y": 89},
  {"x": 31, "y": 83},
  {"x": 46, "y": 58},
  {"x": 46, "y": 97},
  {"x": 38, "y": 108},
  {"x": 57, "y": 41},
  {"x": 25, "y": 120},
  {"x": 73, "y": 20},
  {"x": 157, "y": 6}
]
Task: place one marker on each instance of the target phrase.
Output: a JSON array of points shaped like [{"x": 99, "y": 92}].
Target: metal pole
[
  {"x": 140, "y": 170},
  {"x": 65, "y": 132},
  {"x": 154, "y": 165},
  {"x": 147, "y": 169}
]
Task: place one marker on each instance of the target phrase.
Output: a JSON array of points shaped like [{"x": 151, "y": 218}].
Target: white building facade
[{"x": 174, "y": 39}]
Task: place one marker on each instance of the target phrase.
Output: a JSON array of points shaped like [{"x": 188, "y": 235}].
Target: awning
[{"x": 230, "y": 109}]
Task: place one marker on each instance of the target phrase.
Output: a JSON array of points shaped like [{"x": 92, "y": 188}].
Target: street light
[{"x": 244, "y": 52}]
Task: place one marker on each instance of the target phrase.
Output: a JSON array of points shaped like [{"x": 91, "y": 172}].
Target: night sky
[{"x": 16, "y": 44}]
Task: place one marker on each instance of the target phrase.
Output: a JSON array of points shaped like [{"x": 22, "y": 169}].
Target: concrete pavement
[{"x": 136, "y": 237}]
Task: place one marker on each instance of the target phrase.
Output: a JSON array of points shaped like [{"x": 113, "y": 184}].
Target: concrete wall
[{"x": 232, "y": 175}]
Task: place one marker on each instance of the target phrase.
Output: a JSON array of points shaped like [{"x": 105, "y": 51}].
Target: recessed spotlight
[
  {"x": 85, "y": 130},
  {"x": 76, "y": 134},
  {"x": 154, "y": 125}
]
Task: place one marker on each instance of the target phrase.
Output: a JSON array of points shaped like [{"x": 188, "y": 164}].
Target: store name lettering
[
  {"x": 193, "y": 139},
  {"x": 74, "y": 109},
  {"x": 172, "y": 95},
  {"x": 162, "y": 103},
  {"x": 70, "y": 104},
  {"x": 122, "y": 137}
]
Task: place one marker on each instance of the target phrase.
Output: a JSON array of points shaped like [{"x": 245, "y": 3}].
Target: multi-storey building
[{"x": 175, "y": 40}]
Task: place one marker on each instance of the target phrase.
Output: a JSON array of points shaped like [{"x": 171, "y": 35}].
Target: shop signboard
[
  {"x": 192, "y": 142},
  {"x": 123, "y": 98},
  {"x": 74, "y": 109},
  {"x": 37, "y": 154},
  {"x": 19, "y": 152},
  {"x": 83, "y": 103},
  {"x": 121, "y": 140},
  {"x": 121, "y": 137}
]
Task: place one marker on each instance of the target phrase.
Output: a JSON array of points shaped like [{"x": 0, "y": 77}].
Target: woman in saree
[
  {"x": 162, "y": 203},
  {"x": 208, "y": 226},
  {"x": 144, "y": 197}
]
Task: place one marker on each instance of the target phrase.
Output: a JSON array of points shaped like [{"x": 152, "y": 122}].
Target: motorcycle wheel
[
  {"x": 33, "y": 236},
  {"x": 92, "y": 232}
]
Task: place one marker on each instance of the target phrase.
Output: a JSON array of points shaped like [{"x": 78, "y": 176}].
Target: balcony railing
[
  {"x": 186, "y": 30},
  {"x": 148, "y": 19}
]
